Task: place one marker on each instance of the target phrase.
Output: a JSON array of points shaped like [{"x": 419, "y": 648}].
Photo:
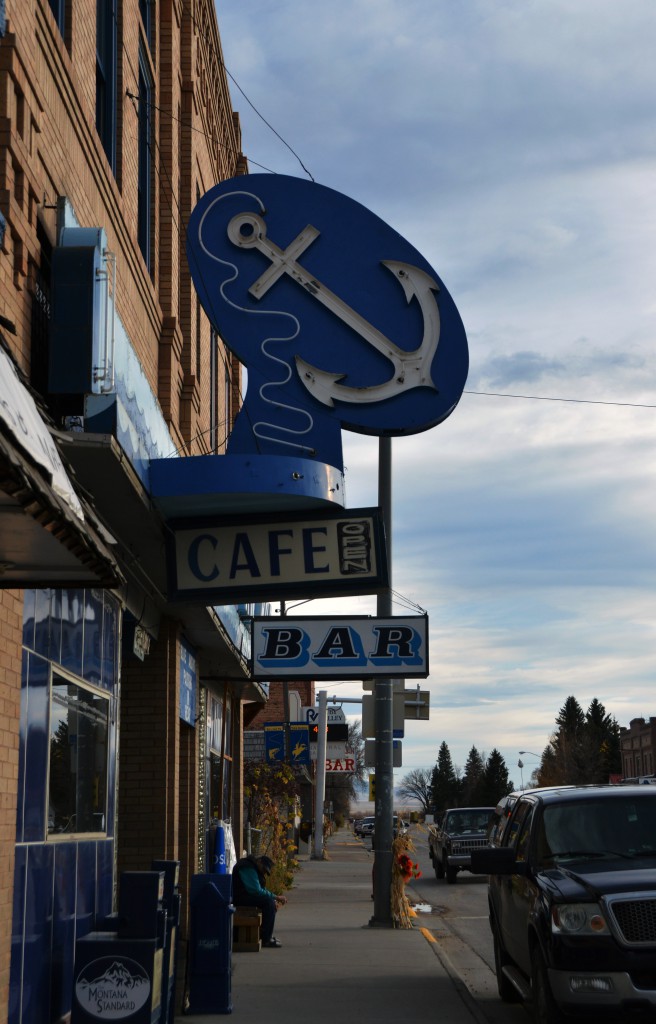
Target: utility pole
[{"x": 384, "y": 721}]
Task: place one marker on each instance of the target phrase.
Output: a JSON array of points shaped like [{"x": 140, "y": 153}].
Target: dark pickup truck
[
  {"x": 454, "y": 835},
  {"x": 572, "y": 902}
]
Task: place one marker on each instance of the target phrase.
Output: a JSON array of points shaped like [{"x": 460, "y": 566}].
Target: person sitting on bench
[{"x": 249, "y": 889}]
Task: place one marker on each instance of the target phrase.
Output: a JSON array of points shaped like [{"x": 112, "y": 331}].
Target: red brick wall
[
  {"x": 639, "y": 747},
  {"x": 274, "y": 709},
  {"x": 49, "y": 148},
  {"x": 149, "y": 756}
]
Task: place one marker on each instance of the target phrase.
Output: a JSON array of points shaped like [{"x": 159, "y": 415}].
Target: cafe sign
[{"x": 330, "y": 554}]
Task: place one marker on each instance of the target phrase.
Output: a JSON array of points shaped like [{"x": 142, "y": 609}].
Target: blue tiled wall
[{"x": 61, "y": 889}]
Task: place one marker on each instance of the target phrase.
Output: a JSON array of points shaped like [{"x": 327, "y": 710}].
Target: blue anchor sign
[{"x": 339, "y": 320}]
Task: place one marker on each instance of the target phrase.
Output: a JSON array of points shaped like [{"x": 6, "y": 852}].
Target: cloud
[{"x": 512, "y": 142}]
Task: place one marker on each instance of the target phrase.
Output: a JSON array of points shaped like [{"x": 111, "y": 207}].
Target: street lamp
[{"x": 520, "y": 763}]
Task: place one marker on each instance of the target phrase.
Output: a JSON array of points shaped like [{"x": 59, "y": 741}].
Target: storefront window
[
  {"x": 77, "y": 792},
  {"x": 219, "y": 731}
]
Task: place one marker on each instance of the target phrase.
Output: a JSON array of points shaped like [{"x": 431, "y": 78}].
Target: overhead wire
[
  {"x": 262, "y": 118},
  {"x": 578, "y": 401},
  {"x": 259, "y": 114}
]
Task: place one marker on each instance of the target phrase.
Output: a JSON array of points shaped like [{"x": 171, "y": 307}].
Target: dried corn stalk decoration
[{"x": 403, "y": 870}]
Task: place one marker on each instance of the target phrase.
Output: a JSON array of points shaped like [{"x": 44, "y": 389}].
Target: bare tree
[{"x": 416, "y": 785}]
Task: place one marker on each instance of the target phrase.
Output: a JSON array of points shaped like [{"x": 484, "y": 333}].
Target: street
[{"x": 458, "y": 925}]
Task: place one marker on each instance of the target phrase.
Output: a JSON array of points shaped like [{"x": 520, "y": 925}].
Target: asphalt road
[{"x": 458, "y": 924}]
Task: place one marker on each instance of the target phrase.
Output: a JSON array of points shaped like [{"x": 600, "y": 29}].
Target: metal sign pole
[
  {"x": 320, "y": 793},
  {"x": 384, "y": 721}
]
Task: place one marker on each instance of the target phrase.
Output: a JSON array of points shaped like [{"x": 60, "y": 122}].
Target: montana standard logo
[{"x": 112, "y": 988}]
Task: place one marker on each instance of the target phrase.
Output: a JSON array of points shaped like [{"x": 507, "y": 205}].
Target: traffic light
[{"x": 337, "y": 732}]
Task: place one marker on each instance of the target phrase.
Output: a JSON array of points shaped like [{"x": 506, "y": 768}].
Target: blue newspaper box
[
  {"x": 117, "y": 979},
  {"x": 118, "y": 974},
  {"x": 171, "y": 902},
  {"x": 210, "y": 944}
]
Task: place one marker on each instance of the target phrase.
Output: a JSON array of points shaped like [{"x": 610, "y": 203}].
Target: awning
[
  {"x": 48, "y": 535},
  {"x": 103, "y": 469}
]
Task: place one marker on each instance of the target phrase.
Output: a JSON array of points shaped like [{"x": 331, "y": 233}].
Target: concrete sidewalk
[{"x": 333, "y": 966}]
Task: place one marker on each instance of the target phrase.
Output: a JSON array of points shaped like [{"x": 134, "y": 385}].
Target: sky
[{"x": 513, "y": 143}]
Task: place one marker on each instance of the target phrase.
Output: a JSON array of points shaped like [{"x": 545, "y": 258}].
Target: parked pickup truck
[
  {"x": 572, "y": 900},
  {"x": 454, "y": 835}
]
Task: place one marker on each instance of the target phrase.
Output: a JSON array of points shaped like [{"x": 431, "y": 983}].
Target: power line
[
  {"x": 199, "y": 131},
  {"x": 578, "y": 401},
  {"x": 250, "y": 103},
  {"x": 262, "y": 118}
]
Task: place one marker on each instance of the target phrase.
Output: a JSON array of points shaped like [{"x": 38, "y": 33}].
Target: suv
[
  {"x": 572, "y": 902},
  {"x": 503, "y": 810}
]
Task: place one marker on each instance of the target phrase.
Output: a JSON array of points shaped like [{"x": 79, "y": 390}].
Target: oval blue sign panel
[{"x": 339, "y": 320}]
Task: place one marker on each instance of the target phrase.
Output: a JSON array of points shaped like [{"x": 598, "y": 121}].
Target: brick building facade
[
  {"x": 115, "y": 117},
  {"x": 638, "y": 747}
]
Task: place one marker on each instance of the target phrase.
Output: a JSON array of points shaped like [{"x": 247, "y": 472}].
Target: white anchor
[{"x": 411, "y": 369}]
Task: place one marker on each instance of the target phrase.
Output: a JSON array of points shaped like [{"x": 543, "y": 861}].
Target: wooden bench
[{"x": 246, "y": 923}]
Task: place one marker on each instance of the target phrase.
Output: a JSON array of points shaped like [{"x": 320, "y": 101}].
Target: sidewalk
[{"x": 332, "y": 966}]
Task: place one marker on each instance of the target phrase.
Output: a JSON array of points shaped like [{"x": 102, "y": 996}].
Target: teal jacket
[{"x": 249, "y": 878}]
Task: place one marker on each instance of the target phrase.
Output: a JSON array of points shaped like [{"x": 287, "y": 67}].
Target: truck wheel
[
  {"x": 439, "y": 867},
  {"x": 545, "y": 1010},
  {"x": 507, "y": 991},
  {"x": 451, "y": 874}
]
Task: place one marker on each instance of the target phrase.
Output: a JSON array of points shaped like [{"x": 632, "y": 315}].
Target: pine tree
[
  {"x": 547, "y": 773},
  {"x": 585, "y": 747},
  {"x": 472, "y": 780},
  {"x": 568, "y": 745},
  {"x": 601, "y": 743},
  {"x": 495, "y": 781},
  {"x": 445, "y": 786},
  {"x": 570, "y": 719}
]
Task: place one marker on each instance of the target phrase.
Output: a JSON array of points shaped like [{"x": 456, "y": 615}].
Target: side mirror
[{"x": 498, "y": 860}]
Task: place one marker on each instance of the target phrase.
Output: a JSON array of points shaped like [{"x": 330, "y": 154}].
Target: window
[
  {"x": 219, "y": 732},
  {"x": 214, "y": 369},
  {"x": 512, "y": 832},
  {"x": 215, "y": 743},
  {"x": 521, "y": 849},
  {"x": 147, "y": 9},
  {"x": 58, "y": 8},
  {"x": 106, "y": 77},
  {"x": 145, "y": 158},
  {"x": 227, "y": 418},
  {"x": 77, "y": 792}
]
